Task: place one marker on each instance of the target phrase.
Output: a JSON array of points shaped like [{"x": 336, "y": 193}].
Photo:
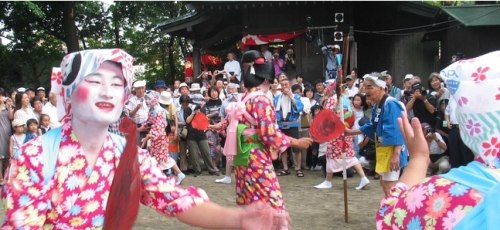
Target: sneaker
[
  {"x": 364, "y": 182},
  {"x": 197, "y": 174},
  {"x": 214, "y": 173},
  {"x": 325, "y": 184},
  {"x": 180, "y": 178},
  {"x": 318, "y": 168},
  {"x": 225, "y": 180},
  {"x": 312, "y": 168},
  {"x": 364, "y": 163}
]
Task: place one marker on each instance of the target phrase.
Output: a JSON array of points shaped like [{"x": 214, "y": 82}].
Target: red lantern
[
  {"x": 211, "y": 60},
  {"x": 188, "y": 69}
]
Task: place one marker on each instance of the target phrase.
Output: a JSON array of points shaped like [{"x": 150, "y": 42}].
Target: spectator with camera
[
  {"x": 437, "y": 147},
  {"x": 422, "y": 104},
  {"x": 332, "y": 64},
  {"x": 290, "y": 65},
  {"x": 277, "y": 62}
]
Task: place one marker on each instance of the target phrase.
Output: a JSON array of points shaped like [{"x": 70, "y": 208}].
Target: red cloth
[{"x": 249, "y": 39}]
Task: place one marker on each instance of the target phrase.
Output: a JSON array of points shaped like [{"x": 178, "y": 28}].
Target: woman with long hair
[{"x": 22, "y": 110}]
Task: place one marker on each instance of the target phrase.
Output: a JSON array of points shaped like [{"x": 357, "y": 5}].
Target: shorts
[
  {"x": 390, "y": 176},
  {"x": 294, "y": 133}
]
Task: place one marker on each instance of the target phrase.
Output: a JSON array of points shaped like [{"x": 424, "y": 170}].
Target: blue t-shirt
[{"x": 387, "y": 127}]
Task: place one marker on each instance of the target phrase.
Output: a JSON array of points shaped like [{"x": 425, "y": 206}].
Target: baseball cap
[
  {"x": 40, "y": 89},
  {"x": 416, "y": 85},
  {"x": 349, "y": 77},
  {"x": 408, "y": 76}
]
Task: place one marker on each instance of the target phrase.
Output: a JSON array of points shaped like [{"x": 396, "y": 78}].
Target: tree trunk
[
  {"x": 83, "y": 43},
  {"x": 171, "y": 61},
  {"x": 71, "y": 39},
  {"x": 117, "y": 33},
  {"x": 183, "y": 48}
]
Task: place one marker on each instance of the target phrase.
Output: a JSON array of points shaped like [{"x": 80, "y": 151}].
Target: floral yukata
[
  {"x": 159, "y": 138},
  {"x": 336, "y": 145},
  {"x": 76, "y": 196},
  {"x": 436, "y": 203},
  {"x": 258, "y": 181}
]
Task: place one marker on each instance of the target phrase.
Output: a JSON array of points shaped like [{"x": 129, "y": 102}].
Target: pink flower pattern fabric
[
  {"x": 334, "y": 147},
  {"x": 438, "y": 203},
  {"x": 159, "y": 138},
  {"x": 258, "y": 181},
  {"x": 76, "y": 196}
]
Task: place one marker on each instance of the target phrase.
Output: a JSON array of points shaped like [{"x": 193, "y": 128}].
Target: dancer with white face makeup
[{"x": 89, "y": 163}]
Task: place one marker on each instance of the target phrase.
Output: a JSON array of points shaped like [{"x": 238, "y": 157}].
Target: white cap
[
  {"x": 336, "y": 47},
  {"x": 408, "y": 76},
  {"x": 21, "y": 90},
  {"x": 140, "y": 83},
  {"x": 377, "y": 81}
]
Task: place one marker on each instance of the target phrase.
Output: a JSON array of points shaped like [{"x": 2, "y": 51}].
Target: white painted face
[{"x": 100, "y": 96}]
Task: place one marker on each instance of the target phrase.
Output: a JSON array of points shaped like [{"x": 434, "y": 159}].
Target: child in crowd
[
  {"x": 44, "y": 123},
  {"x": 173, "y": 143},
  {"x": 17, "y": 139},
  {"x": 213, "y": 142},
  {"x": 33, "y": 130},
  {"x": 315, "y": 146},
  {"x": 358, "y": 107}
]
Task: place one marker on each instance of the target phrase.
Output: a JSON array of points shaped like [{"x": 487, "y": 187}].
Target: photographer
[
  {"x": 437, "y": 148},
  {"x": 422, "y": 104},
  {"x": 290, "y": 64},
  {"x": 332, "y": 64},
  {"x": 277, "y": 62}
]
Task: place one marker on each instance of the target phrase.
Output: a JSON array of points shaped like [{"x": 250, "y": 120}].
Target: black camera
[
  {"x": 407, "y": 93},
  {"x": 429, "y": 130},
  {"x": 423, "y": 92}
]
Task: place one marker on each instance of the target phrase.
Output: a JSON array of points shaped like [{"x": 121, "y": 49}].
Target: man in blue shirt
[
  {"x": 288, "y": 107},
  {"x": 385, "y": 112},
  {"x": 332, "y": 64}
]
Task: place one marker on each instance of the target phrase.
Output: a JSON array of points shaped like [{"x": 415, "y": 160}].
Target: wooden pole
[{"x": 342, "y": 118}]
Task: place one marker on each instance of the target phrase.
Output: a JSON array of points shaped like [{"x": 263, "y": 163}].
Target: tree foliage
[{"x": 40, "y": 33}]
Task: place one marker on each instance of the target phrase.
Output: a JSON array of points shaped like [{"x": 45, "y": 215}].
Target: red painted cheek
[{"x": 81, "y": 94}]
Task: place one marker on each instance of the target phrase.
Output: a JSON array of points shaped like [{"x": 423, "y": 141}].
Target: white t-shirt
[
  {"x": 352, "y": 91},
  {"x": 434, "y": 147},
  {"x": 51, "y": 111},
  {"x": 322, "y": 149}
]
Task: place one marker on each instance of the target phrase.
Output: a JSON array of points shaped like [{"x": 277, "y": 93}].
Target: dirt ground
[{"x": 309, "y": 208}]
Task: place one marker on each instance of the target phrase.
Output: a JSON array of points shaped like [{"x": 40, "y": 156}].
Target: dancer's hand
[
  {"x": 260, "y": 216},
  {"x": 414, "y": 137},
  {"x": 302, "y": 143}
]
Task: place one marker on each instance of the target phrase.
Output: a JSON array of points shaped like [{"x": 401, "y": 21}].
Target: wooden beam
[{"x": 236, "y": 29}]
